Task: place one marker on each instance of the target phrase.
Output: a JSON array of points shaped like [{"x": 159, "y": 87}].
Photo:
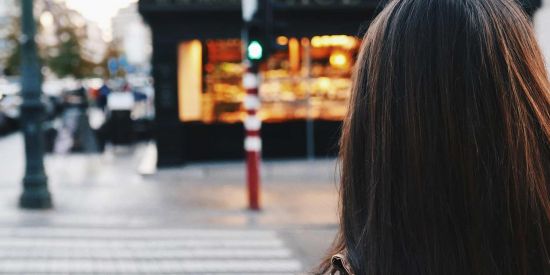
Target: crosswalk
[{"x": 144, "y": 251}]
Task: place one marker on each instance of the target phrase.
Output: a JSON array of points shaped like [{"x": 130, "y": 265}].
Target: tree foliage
[
  {"x": 63, "y": 58},
  {"x": 12, "y": 64}
]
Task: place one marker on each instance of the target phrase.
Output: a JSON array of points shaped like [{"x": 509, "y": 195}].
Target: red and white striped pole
[
  {"x": 253, "y": 141},
  {"x": 252, "y": 123}
]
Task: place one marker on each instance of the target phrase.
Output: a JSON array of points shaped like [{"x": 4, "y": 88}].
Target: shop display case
[{"x": 311, "y": 79}]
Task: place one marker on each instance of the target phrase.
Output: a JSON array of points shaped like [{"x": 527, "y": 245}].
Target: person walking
[{"x": 445, "y": 151}]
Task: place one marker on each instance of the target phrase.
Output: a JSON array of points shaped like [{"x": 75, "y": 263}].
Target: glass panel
[
  {"x": 307, "y": 78},
  {"x": 314, "y": 74},
  {"x": 190, "y": 80},
  {"x": 224, "y": 93}
]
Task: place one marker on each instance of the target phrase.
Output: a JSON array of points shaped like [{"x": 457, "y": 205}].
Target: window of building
[{"x": 306, "y": 78}]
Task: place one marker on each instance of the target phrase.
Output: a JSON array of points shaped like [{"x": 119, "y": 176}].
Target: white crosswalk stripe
[
  {"x": 143, "y": 251},
  {"x": 141, "y": 233},
  {"x": 101, "y": 253}
]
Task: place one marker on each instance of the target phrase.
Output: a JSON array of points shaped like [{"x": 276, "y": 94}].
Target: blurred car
[
  {"x": 9, "y": 113},
  {"x": 10, "y": 105}
]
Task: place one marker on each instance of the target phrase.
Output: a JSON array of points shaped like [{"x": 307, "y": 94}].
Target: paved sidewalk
[{"x": 192, "y": 220}]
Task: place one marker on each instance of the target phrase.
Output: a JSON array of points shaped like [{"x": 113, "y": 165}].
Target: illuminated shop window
[
  {"x": 190, "y": 81},
  {"x": 224, "y": 93},
  {"x": 310, "y": 80},
  {"x": 307, "y": 78}
]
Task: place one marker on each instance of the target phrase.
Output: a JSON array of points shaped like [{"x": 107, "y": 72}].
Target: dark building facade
[
  {"x": 176, "y": 22},
  {"x": 196, "y": 69}
]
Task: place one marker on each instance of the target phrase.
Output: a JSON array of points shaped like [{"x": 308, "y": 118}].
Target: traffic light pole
[
  {"x": 253, "y": 141},
  {"x": 251, "y": 81},
  {"x": 35, "y": 183}
]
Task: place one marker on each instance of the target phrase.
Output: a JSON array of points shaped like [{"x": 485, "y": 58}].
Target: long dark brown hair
[{"x": 445, "y": 152}]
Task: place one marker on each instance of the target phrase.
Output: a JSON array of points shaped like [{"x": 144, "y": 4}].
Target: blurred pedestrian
[
  {"x": 119, "y": 122},
  {"x": 445, "y": 152},
  {"x": 104, "y": 92},
  {"x": 75, "y": 134}
]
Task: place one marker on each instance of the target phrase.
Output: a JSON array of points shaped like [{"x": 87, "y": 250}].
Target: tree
[
  {"x": 13, "y": 62},
  {"x": 63, "y": 56},
  {"x": 64, "y": 59}
]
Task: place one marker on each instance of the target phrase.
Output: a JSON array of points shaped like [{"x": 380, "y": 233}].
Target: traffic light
[
  {"x": 260, "y": 28},
  {"x": 255, "y": 50}
]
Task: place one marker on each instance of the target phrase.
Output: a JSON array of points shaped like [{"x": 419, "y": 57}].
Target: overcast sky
[{"x": 99, "y": 11}]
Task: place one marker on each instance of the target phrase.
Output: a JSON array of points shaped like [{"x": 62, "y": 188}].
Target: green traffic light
[{"x": 255, "y": 50}]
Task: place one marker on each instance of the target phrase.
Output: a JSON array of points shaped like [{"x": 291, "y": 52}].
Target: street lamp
[{"x": 35, "y": 182}]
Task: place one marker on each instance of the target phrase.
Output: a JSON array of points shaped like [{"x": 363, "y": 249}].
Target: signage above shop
[
  {"x": 236, "y": 4},
  {"x": 325, "y": 4},
  {"x": 189, "y": 5},
  {"x": 193, "y": 2},
  {"x": 310, "y": 3}
]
